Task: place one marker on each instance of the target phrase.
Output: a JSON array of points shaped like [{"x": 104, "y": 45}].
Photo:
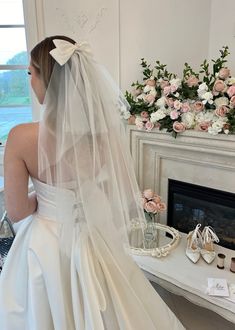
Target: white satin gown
[{"x": 39, "y": 290}]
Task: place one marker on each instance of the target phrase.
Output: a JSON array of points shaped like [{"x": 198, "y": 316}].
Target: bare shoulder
[{"x": 22, "y": 136}]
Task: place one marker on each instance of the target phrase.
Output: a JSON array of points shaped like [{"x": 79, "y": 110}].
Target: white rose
[
  {"x": 218, "y": 125},
  {"x": 205, "y": 116},
  {"x": 167, "y": 111},
  {"x": 203, "y": 87},
  {"x": 199, "y": 117},
  {"x": 153, "y": 91},
  {"x": 213, "y": 131},
  {"x": 207, "y": 97},
  {"x": 157, "y": 115},
  {"x": 230, "y": 81},
  {"x": 141, "y": 97},
  {"x": 161, "y": 102},
  {"x": 188, "y": 118},
  {"x": 221, "y": 101},
  {"x": 176, "y": 82},
  {"x": 147, "y": 88},
  {"x": 126, "y": 114}
]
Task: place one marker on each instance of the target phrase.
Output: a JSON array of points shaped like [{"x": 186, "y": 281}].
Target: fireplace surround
[{"x": 193, "y": 157}]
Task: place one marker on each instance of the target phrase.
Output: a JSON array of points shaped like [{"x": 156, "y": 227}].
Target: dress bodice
[{"x": 50, "y": 197}]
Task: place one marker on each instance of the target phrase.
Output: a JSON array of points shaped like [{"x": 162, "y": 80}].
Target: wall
[
  {"x": 222, "y": 30},
  {"x": 172, "y": 31}
]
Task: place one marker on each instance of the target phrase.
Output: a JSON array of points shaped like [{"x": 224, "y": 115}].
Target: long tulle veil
[
  {"x": 82, "y": 144},
  {"x": 82, "y": 140}
]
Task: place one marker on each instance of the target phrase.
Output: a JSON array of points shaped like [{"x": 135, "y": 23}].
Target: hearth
[{"x": 189, "y": 204}]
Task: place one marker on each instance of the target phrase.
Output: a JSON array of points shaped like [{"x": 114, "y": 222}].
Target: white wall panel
[
  {"x": 94, "y": 21},
  {"x": 172, "y": 31},
  {"x": 222, "y": 30}
]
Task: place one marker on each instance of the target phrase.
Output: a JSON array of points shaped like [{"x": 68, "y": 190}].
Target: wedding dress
[{"x": 35, "y": 295}]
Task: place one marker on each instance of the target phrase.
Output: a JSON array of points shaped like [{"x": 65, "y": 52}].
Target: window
[{"x": 15, "y": 101}]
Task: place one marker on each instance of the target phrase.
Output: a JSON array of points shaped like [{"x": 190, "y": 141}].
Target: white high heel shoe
[
  {"x": 193, "y": 246},
  {"x": 208, "y": 251}
]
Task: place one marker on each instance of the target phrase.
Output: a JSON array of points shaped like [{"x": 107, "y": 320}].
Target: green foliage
[
  {"x": 19, "y": 59},
  {"x": 162, "y": 72},
  {"x": 209, "y": 78},
  {"x": 14, "y": 86}
]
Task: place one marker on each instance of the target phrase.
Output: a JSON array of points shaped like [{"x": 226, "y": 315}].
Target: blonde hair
[{"x": 41, "y": 59}]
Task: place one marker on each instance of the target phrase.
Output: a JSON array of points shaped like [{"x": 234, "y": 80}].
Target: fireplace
[{"x": 189, "y": 204}]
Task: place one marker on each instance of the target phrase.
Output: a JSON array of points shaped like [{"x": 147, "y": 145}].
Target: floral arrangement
[
  {"x": 152, "y": 204},
  {"x": 203, "y": 101}
]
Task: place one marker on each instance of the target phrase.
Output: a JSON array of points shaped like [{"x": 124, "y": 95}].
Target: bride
[{"x": 69, "y": 266}]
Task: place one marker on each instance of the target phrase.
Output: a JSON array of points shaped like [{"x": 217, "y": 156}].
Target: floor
[{"x": 193, "y": 317}]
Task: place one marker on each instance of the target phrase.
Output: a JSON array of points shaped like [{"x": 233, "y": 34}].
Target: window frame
[{"x": 34, "y": 31}]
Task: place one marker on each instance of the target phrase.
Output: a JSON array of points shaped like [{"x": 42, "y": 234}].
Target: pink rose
[
  {"x": 143, "y": 201},
  {"x": 177, "y": 104},
  {"x": 192, "y": 81},
  {"x": 157, "y": 125},
  {"x": 150, "y": 98},
  {"x": 174, "y": 114},
  {"x": 174, "y": 88},
  {"x": 221, "y": 111},
  {"x": 157, "y": 199},
  {"x": 148, "y": 193},
  {"x": 161, "y": 207},
  {"x": 198, "y": 106},
  {"x": 226, "y": 126},
  {"x": 185, "y": 107},
  {"x": 131, "y": 120},
  {"x": 203, "y": 126},
  {"x": 232, "y": 101},
  {"x": 144, "y": 114},
  {"x": 178, "y": 127},
  {"x": 151, "y": 82},
  {"x": 150, "y": 207},
  {"x": 231, "y": 91},
  {"x": 219, "y": 86},
  {"x": 224, "y": 73},
  {"x": 170, "y": 102},
  {"x": 149, "y": 126},
  {"x": 139, "y": 124},
  {"x": 167, "y": 90},
  {"x": 164, "y": 83}
]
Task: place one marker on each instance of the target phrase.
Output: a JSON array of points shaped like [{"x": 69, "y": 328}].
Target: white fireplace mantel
[{"x": 193, "y": 157}]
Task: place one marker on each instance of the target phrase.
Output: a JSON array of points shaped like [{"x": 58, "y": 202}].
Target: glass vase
[{"x": 150, "y": 232}]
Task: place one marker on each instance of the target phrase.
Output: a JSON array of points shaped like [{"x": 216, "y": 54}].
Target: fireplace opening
[{"x": 190, "y": 204}]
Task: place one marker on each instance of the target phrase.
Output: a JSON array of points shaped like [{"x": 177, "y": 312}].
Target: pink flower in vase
[
  {"x": 161, "y": 207},
  {"x": 148, "y": 193},
  {"x": 150, "y": 207},
  {"x": 152, "y": 204}
]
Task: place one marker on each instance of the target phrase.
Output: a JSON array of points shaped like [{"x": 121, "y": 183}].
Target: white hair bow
[{"x": 65, "y": 49}]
